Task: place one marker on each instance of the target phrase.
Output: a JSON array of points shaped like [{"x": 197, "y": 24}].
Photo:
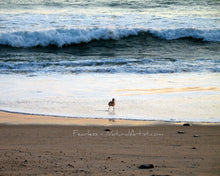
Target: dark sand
[{"x": 91, "y": 150}]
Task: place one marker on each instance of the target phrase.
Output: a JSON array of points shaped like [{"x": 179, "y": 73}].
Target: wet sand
[
  {"x": 175, "y": 97},
  {"x": 106, "y": 147}
]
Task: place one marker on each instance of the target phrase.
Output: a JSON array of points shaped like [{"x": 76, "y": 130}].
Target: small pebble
[
  {"x": 146, "y": 166},
  {"x": 187, "y": 124},
  {"x": 180, "y": 132},
  {"x": 70, "y": 165}
]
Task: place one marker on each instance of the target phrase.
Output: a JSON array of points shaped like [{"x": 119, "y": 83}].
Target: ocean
[{"x": 160, "y": 59}]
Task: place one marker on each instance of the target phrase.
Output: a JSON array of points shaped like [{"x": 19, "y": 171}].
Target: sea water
[{"x": 159, "y": 59}]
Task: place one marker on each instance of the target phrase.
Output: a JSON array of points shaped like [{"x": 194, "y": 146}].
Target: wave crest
[{"x": 62, "y": 37}]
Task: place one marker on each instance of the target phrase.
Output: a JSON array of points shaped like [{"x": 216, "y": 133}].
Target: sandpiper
[{"x": 111, "y": 103}]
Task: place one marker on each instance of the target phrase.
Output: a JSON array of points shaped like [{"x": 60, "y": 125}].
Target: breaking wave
[{"x": 63, "y": 37}]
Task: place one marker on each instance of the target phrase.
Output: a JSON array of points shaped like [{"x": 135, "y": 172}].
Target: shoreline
[
  {"x": 166, "y": 97},
  {"x": 19, "y": 118}
]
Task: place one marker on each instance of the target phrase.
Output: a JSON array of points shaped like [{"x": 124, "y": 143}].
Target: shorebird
[{"x": 111, "y": 103}]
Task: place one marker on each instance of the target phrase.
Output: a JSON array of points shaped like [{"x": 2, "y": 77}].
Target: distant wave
[
  {"x": 62, "y": 37},
  {"x": 110, "y": 65}
]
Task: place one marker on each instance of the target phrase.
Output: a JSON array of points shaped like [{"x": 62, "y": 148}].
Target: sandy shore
[
  {"x": 105, "y": 147},
  {"x": 10, "y": 118}
]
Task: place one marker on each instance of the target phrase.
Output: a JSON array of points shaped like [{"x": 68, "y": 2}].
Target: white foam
[
  {"x": 171, "y": 34},
  {"x": 60, "y": 37}
]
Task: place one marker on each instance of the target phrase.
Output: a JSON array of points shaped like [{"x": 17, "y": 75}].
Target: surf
[{"x": 66, "y": 37}]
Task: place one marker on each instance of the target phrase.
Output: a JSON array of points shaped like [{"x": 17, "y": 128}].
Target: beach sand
[{"x": 105, "y": 147}]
